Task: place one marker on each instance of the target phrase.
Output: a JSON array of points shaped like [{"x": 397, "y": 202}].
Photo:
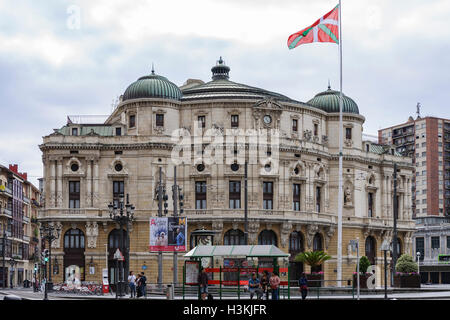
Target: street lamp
[
  {"x": 385, "y": 247},
  {"x": 122, "y": 217},
  {"x": 49, "y": 232},
  {"x": 12, "y": 262},
  {"x": 418, "y": 262}
]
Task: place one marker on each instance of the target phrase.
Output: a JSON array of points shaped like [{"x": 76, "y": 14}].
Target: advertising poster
[
  {"x": 192, "y": 271},
  {"x": 168, "y": 234}
]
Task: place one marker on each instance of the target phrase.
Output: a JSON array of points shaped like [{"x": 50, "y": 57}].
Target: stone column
[
  {"x": 96, "y": 195},
  {"x": 52, "y": 195},
  {"x": 59, "y": 184},
  {"x": 88, "y": 183}
]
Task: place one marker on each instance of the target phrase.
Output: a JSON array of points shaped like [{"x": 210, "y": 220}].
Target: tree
[
  {"x": 364, "y": 263},
  {"x": 312, "y": 258},
  {"x": 406, "y": 264}
]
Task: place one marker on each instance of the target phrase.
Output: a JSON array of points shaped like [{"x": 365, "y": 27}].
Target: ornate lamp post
[
  {"x": 50, "y": 233},
  {"x": 12, "y": 263},
  {"x": 122, "y": 216}
]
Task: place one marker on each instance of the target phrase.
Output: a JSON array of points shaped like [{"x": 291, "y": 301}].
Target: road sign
[{"x": 118, "y": 255}]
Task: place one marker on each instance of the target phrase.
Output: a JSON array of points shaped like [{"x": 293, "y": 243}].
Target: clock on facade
[{"x": 267, "y": 119}]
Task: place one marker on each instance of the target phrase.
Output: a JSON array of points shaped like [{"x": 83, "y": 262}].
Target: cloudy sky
[{"x": 60, "y": 58}]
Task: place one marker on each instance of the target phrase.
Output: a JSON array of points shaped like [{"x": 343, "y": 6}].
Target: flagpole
[{"x": 341, "y": 138}]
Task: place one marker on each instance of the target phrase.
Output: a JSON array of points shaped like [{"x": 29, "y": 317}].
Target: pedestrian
[
  {"x": 265, "y": 284},
  {"x": 138, "y": 286},
  {"x": 254, "y": 286},
  {"x": 303, "y": 286},
  {"x": 274, "y": 285},
  {"x": 132, "y": 284},
  {"x": 143, "y": 282},
  {"x": 203, "y": 283}
]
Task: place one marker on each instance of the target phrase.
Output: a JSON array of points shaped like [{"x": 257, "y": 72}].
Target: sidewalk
[{"x": 28, "y": 293}]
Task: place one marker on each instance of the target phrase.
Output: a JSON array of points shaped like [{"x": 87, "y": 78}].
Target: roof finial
[
  {"x": 329, "y": 86},
  {"x": 220, "y": 60},
  {"x": 153, "y": 69}
]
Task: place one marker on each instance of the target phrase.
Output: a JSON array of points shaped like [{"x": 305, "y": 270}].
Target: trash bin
[{"x": 169, "y": 292}]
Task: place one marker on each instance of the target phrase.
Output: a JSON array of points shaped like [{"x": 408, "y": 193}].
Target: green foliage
[
  {"x": 312, "y": 258},
  {"x": 364, "y": 263},
  {"x": 406, "y": 264}
]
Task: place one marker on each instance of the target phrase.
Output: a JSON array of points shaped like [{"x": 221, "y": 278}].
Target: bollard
[{"x": 169, "y": 292}]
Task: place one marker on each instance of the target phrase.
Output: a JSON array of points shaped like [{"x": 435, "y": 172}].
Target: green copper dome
[
  {"x": 152, "y": 86},
  {"x": 328, "y": 101}
]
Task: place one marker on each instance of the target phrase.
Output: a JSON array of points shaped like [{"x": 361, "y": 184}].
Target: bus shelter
[{"x": 236, "y": 263}]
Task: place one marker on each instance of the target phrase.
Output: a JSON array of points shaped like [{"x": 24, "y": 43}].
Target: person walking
[
  {"x": 274, "y": 285},
  {"x": 203, "y": 283},
  {"x": 143, "y": 285},
  {"x": 132, "y": 284},
  {"x": 265, "y": 284},
  {"x": 303, "y": 286},
  {"x": 138, "y": 286}
]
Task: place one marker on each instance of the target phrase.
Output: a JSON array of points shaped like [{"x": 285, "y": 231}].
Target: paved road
[{"x": 29, "y": 294}]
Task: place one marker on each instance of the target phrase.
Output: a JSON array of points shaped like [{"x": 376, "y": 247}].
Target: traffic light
[
  {"x": 35, "y": 267},
  {"x": 45, "y": 255}
]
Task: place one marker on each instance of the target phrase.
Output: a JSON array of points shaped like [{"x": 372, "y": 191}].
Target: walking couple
[{"x": 138, "y": 286}]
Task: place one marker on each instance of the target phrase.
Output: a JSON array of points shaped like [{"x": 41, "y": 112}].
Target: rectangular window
[
  {"x": 74, "y": 131},
  {"x": 132, "y": 121},
  {"x": 118, "y": 192},
  {"x": 420, "y": 247},
  {"x": 348, "y": 133},
  {"x": 160, "y": 120},
  {"x": 448, "y": 242},
  {"x": 316, "y": 129},
  {"x": 74, "y": 194},
  {"x": 435, "y": 243},
  {"x": 294, "y": 125},
  {"x": 201, "y": 121},
  {"x": 118, "y": 131},
  {"x": 268, "y": 195},
  {"x": 235, "y": 194},
  {"x": 200, "y": 195},
  {"x": 234, "y": 121},
  {"x": 318, "y": 198},
  {"x": 296, "y": 197},
  {"x": 370, "y": 200}
]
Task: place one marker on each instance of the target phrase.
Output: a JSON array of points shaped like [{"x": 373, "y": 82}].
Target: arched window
[
  {"x": 234, "y": 237},
  {"x": 74, "y": 258},
  {"x": 296, "y": 242},
  {"x": 74, "y": 239},
  {"x": 267, "y": 237},
  {"x": 371, "y": 250},
  {"x": 114, "y": 239},
  {"x": 317, "y": 242}
]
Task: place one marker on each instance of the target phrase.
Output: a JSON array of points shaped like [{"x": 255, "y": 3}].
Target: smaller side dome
[
  {"x": 152, "y": 86},
  {"x": 328, "y": 101}
]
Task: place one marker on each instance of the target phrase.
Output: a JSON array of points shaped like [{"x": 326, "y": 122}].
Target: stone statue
[{"x": 348, "y": 196}]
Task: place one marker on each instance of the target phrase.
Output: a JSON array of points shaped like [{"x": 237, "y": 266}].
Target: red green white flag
[{"x": 326, "y": 29}]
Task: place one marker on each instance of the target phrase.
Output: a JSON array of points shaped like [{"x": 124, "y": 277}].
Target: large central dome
[
  {"x": 222, "y": 88},
  {"x": 328, "y": 101},
  {"x": 152, "y": 86}
]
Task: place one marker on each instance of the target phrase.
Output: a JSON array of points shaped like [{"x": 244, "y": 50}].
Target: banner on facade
[{"x": 168, "y": 234}]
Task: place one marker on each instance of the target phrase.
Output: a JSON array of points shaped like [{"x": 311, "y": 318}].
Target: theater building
[{"x": 88, "y": 164}]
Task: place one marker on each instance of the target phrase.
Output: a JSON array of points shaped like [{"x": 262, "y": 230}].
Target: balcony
[
  {"x": 26, "y": 200},
  {"x": 6, "y": 212},
  {"x": 5, "y": 190},
  {"x": 26, "y": 219},
  {"x": 26, "y": 238},
  {"x": 34, "y": 202}
]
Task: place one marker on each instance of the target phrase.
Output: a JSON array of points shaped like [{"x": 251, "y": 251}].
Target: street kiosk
[{"x": 235, "y": 265}]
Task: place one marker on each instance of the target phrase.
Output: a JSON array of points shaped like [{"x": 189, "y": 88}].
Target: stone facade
[{"x": 307, "y": 156}]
